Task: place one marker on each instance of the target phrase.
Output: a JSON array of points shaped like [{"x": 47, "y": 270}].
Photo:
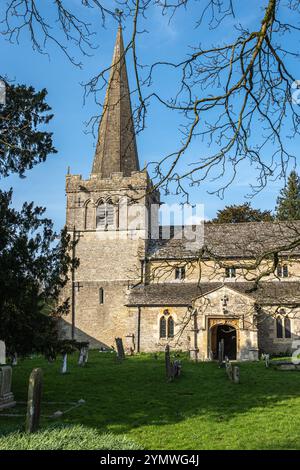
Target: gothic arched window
[
  {"x": 279, "y": 329},
  {"x": 105, "y": 216},
  {"x": 170, "y": 327},
  {"x": 162, "y": 328},
  {"x": 287, "y": 327}
]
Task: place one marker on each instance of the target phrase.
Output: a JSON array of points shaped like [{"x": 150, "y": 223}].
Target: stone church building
[{"x": 153, "y": 291}]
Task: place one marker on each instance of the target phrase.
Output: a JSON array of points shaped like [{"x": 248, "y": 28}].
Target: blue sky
[{"x": 45, "y": 183}]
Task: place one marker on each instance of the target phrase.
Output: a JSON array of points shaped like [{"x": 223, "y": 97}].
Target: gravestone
[
  {"x": 6, "y": 395},
  {"x": 129, "y": 345},
  {"x": 14, "y": 361},
  {"x": 221, "y": 352},
  {"x": 2, "y": 353},
  {"x": 64, "y": 366},
  {"x": 34, "y": 400},
  {"x": 236, "y": 375},
  {"x": 229, "y": 370},
  {"x": 120, "y": 349},
  {"x": 83, "y": 354},
  {"x": 168, "y": 362},
  {"x": 267, "y": 360}
]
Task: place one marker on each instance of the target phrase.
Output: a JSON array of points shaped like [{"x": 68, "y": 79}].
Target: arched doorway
[{"x": 229, "y": 334}]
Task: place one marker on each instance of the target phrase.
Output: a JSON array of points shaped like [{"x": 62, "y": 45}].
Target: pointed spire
[{"x": 116, "y": 147}]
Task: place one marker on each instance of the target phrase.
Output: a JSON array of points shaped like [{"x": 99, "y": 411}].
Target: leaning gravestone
[
  {"x": 120, "y": 349},
  {"x": 34, "y": 400},
  {"x": 2, "y": 353},
  {"x": 6, "y": 395}
]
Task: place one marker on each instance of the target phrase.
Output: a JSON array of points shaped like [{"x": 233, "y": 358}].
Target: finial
[{"x": 68, "y": 172}]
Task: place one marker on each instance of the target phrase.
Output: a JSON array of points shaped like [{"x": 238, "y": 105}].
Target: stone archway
[{"x": 228, "y": 333}]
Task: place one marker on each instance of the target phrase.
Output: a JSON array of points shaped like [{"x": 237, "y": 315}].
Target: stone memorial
[
  {"x": 6, "y": 395},
  {"x": 236, "y": 375},
  {"x": 34, "y": 400},
  {"x": 2, "y": 353},
  {"x": 120, "y": 349},
  {"x": 64, "y": 367}
]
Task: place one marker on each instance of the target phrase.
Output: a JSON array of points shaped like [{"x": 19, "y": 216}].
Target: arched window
[
  {"x": 105, "y": 216},
  {"x": 287, "y": 327},
  {"x": 279, "y": 329},
  {"x": 170, "y": 327},
  {"x": 162, "y": 328}
]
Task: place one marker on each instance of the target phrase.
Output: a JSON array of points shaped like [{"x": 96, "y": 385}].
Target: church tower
[{"x": 107, "y": 216}]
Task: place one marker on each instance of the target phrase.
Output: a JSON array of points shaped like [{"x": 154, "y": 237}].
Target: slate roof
[
  {"x": 182, "y": 294},
  {"x": 231, "y": 241}
]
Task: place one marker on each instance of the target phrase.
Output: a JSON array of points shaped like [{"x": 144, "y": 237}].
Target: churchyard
[{"x": 129, "y": 404}]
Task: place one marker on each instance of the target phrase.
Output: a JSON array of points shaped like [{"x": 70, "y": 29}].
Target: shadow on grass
[{"x": 123, "y": 398}]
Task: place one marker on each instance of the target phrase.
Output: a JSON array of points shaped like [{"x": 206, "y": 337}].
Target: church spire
[{"x": 116, "y": 147}]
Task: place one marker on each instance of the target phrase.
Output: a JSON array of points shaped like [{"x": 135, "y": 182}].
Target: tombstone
[
  {"x": 84, "y": 354},
  {"x": 34, "y": 401},
  {"x": 6, "y": 395},
  {"x": 14, "y": 361},
  {"x": 2, "y": 353},
  {"x": 120, "y": 349},
  {"x": 236, "y": 375},
  {"x": 267, "y": 360},
  {"x": 129, "y": 345},
  {"x": 64, "y": 367},
  {"x": 168, "y": 362},
  {"x": 229, "y": 370},
  {"x": 221, "y": 353}
]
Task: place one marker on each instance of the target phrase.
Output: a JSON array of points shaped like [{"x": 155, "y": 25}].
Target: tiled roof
[
  {"x": 231, "y": 240},
  {"x": 268, "y": 293}
]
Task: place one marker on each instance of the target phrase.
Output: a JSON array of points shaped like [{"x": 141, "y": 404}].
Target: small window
[
  {"x": 279, "y": 329},
  {"x": 170, "y": 327},
  {"x": 287, "y": 327},
  {"x": 180, "y": 273},
  {"x": 230, "y": 272},
  {"x": 162, "y": 328},
  {"x": 101, "y": 295},
  {"x": 282, "y": 270}
]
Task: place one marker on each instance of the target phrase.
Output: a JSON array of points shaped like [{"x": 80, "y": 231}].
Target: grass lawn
[{"x": 133, "y": 402}]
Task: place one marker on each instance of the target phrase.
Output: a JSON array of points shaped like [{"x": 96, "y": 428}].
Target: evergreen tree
[
  {"x": 34, "y": 260},
  {"x": 288, "y": 202},
  {"x": 24, "y": 141},
  {"x": 242, "y": 213}
]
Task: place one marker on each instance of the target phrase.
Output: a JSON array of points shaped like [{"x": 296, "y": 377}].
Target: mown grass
[{"x": 133, "y": 401}]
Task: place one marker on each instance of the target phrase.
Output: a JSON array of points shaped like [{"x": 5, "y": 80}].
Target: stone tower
[{"x": 106, "y": 215}]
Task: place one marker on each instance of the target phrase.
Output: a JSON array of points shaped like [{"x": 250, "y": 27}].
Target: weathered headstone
[
  {"x": 34, "y": 400},
  {"x": 221, "y": 352},
  {"x": 129, "y": 345},
  {"x": 229, "y": 370},
  {"x": 6, "y": 395},
  {"x": 2, "y": 353},
  {"x": 83, "y": 354},
  {"x": 236, "y": 375},
  {"x": 120, "y": 349},
  {"x": 168, "y": 362},
  {"x": 14, "y": 361},
  {"x": 64, "y": 367},
  {"x": 267, "y": 360}
]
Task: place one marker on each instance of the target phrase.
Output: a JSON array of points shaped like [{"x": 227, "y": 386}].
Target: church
[{"x": 238, "y": 286}]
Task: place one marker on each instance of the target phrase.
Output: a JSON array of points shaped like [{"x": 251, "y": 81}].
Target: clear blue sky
[{"x": 45, "y": 183}]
